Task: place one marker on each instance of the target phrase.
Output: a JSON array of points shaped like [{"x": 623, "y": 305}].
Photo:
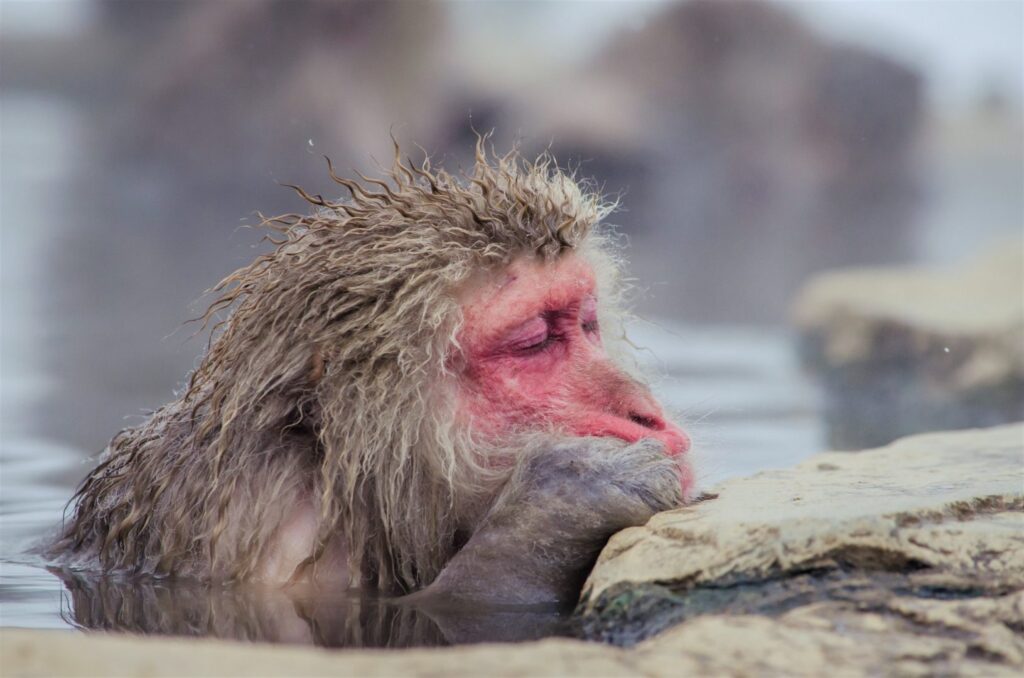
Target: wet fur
[{"x": 329, "y": 381}]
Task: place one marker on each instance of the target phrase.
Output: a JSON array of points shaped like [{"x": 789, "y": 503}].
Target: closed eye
[
  {"x": 530, "y": 344},
  {"x": 540, "y": 345}
]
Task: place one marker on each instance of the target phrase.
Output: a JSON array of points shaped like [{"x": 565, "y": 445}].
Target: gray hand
[{"x": 547, "y": 526}]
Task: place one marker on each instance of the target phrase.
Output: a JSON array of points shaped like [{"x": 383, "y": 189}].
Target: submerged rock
[
  {"x": 905, "y": 560},
  {"x": 902, "y": 351}
]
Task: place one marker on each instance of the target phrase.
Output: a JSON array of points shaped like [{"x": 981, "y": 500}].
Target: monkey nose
[
  {"x": 674, "y": 438},
  {"x": 647, "y": 421}
]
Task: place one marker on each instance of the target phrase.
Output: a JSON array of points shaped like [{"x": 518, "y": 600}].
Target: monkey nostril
[{"x": 645, "y": 421}]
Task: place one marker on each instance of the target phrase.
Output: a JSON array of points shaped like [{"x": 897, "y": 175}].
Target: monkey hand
[{"x": 545, "y": 529}]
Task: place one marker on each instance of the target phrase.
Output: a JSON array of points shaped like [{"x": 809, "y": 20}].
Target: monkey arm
[{"x": 547, "y": 526}]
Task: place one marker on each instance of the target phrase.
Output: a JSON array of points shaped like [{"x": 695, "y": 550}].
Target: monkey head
[{"x": 374, "y": 381}]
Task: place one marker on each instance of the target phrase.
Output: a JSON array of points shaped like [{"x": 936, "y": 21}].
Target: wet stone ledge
[{"x": 916, "y": 549}]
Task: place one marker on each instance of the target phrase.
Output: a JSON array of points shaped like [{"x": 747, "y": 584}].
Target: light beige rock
[
  {"x": 839, "y": 639},
  {"x": 906, "y": 350},
  {"x": 55, "y": 653},
  {"x": 859, "y": 547},
  {"x": 951, "y": 502},
  {"x": 982, "y": 298}
]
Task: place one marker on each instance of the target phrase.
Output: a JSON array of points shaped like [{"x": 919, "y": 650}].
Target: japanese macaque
[{"x": 417, "y": 391}]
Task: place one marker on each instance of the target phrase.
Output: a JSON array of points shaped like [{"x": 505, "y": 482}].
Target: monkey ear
[{"x": 316, "y": 369}]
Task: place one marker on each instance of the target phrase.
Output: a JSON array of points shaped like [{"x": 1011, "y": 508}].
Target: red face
[{"x": 535, "y": 358}]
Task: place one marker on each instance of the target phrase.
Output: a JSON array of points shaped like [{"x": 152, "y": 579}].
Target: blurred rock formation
[{"x": 906, "y": 350}]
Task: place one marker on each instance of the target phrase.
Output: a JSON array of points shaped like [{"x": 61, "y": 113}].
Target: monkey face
[{"x": 533, "y": 357}]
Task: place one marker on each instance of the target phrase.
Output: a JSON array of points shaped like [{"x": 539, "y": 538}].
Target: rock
[
  {"x": 26, "y": 653},
  {"x": 930, "y": 502},
  {"x": 824, "y": 639},
  {"x": 902, "y": 351},
  {"x": 909, "y": 556}
]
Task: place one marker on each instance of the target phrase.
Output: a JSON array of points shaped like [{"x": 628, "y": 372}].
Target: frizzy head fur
[{"x": 328, "y": 381}]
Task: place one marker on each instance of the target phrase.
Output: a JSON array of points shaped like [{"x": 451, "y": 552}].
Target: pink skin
[{"x": 533, "y": 356}]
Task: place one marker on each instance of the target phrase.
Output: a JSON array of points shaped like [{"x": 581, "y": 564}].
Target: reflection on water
[{"x": 296, "y": 615}]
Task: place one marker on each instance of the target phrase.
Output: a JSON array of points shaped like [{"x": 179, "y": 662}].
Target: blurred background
[{"x": 752, "y": 145}]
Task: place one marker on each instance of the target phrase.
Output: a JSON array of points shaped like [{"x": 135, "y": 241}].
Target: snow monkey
[{"x": 418, "y": 390}]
